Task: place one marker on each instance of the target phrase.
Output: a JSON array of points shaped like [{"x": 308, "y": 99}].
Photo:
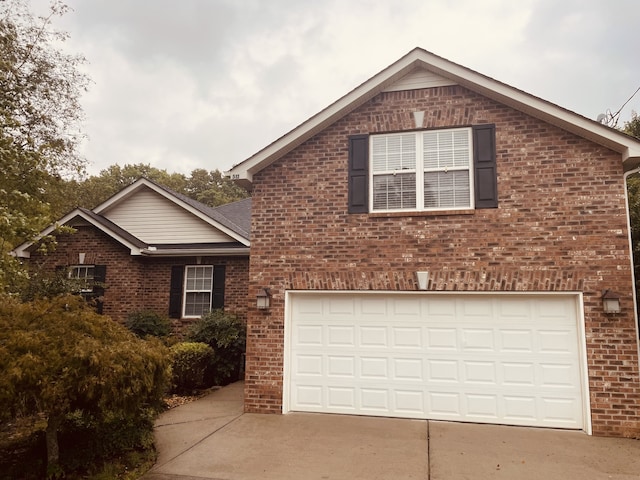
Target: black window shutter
[
  {"x": 359, "y": 174},
  {"x": 175, "y": 292},
  {"x": 484, "y": 160},
  {"x": 218, "y": 287},
  {"x": 99, "y": 278}
]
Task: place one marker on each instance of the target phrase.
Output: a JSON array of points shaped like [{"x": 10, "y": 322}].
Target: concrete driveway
[{"x": 213, "y": 439}]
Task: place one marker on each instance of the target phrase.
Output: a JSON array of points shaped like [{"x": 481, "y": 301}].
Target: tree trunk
[{"x": 53, "y": 449}]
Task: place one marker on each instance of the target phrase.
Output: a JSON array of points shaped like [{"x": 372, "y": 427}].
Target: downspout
[{"x": 633, "y": 270}]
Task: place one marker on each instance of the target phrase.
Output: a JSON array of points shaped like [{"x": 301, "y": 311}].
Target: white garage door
[{"x": 507, "y": 359}]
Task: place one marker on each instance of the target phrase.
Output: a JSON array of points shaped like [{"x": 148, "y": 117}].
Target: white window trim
[
  {"x": 185, "y": 291},
  {"x": 419, "y": 172},
  {"x": 90, "y": 284}
]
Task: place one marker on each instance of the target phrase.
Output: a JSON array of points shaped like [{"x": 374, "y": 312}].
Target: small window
[
  {"x": 198, "y": 289},
  {"x": 427, "y": 170},
  {"x": 84, "y": 275}
]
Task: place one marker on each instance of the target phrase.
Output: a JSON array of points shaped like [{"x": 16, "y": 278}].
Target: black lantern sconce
[
  {"x": 263, "y": 299},
  {"x": 610, "y": 302}
]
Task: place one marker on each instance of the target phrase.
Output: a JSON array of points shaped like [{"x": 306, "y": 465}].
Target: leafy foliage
[
  {"x": 191, "y": 361},
  {"x": 226, "y": 334},
  {"x": 148, "y": 323},
  {"x": 40, "y": 114},
  {"x": 208, "y": 187},
  {"x": 632, "y": 127},
  {"x": 58, "y": 356}
]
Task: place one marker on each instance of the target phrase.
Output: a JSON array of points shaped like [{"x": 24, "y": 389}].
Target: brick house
[
  {"x": 436, "y": 244},
  {"x": 148, "y": 247}
]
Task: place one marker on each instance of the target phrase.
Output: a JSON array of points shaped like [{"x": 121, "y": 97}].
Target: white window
[
  {"x": 427, "y": 170},
  {"x": 198, "y": 289},
  {"x": 84, "y": 275}
]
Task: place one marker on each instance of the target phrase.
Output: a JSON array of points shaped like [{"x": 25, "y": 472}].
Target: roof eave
[
  {"x": 21, "y": 251},
  {"x": 190, "y": 252},
  {"x": 243, "y": 172}
]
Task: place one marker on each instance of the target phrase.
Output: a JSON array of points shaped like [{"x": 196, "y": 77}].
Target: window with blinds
[
  {"x": 428, "y": 170},
  {"x": 198, "y": 290}
]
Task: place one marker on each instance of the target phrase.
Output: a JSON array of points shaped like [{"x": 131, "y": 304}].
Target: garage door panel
[
  {"x": 308, "y": 335},
  {"x": 481, "y": 406},
  {"x": 480, "y": 372},
  {"x": 482, "y": 358},
  {"x": 373, "y": 336},
  {"x": 406, "y": 337},
  {"x": 409, "y": 369},
  {"x": 309, "y": 365},
  {"x": 475, "y": 339},
  {"x": 443, "y": 371},
  {"x": 341, "y": 366},
  {"x": 517, "y": 340},
  {"x": 409, "y": 401},
  {"x": 341, "y": 397},
  {"x": 374, "y": 368},
  {"x": 557, "y": 341},
  {"x": 340, "y": 336}
]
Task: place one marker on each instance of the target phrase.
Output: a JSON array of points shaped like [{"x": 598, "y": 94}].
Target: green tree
[
  {"x": 40, "y": 114},
  {"x": 59, "y": 357},
  {"x": 212, "y": 188},
  {"x": 632, "y": 127},
  {"x": 98, "y": 188},
  {"x": 208, "y": 187}
]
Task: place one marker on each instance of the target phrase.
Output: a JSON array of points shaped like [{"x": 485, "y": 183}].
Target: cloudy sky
[{"x": 207, "y": 83}]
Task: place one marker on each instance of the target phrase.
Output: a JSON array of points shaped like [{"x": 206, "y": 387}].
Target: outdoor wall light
[
  {"x": 610, "y": 302},
  {"x": 263, "y": 299}
]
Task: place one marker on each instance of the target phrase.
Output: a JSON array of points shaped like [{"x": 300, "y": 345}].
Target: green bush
[
  {"x": 57, "y": 357},
  {"x": 90, "y": 439},
  {"x": 191, "y": 361},
  {"x": 226, "y": 334},
  {"x": 148, "y": 323}
]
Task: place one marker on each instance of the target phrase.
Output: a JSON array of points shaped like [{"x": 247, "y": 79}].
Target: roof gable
[
  {"x": 150, "y": 219},
  {"x": 416, "y": 70},
  {"x": 146, "y": 207}
]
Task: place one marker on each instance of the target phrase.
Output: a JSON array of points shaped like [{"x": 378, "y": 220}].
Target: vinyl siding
[
  {"x": 419, "y": 79},
  {"x": 156, "y": 220}
]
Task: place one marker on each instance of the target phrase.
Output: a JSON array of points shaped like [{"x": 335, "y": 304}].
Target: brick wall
[
  {"x": 560, "y": 226},
  {"x": 135, "y": 283}
]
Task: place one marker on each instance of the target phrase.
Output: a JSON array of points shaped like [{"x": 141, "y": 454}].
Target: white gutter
[
  {"x": 185, "y": 252},
  {"x": 633, "y": 271}
]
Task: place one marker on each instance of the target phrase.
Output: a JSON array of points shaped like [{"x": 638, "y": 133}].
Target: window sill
[{"x": 436, "y": 213}]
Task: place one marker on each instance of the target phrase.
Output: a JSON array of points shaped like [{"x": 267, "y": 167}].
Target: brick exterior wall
[
  {"x": 560, "y": 226},
  {"x": 134, "y": 282}
]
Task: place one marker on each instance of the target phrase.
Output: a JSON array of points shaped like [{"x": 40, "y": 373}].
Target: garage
[{"x": 513, "y": 359}]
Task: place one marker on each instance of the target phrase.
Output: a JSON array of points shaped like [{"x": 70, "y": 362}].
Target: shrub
[
  {"x": 92, "y": 438},
  {"x": 148, "y": 323},
  {"x": 226, "y": 334},
  {"x": 58, "y": 356},
  {"x": 191, "y": 360}
]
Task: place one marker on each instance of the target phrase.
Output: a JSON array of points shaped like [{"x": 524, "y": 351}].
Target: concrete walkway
[{"x": 213, "y": 439}]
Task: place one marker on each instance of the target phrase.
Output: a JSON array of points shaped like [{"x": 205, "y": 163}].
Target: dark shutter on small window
[
  {"x": 484, "y": 160},
  {"x": 175, "y": 292},
  {"x": 99, "y": 278},
  {"x": 359, "y": 174},
  {"x": 218, "y": 287}
]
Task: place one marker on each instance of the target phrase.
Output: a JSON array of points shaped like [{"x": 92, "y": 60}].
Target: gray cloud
[{"x": 207, "y": 83}]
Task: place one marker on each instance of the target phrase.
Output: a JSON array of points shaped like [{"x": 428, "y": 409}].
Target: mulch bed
[{"x": 173, "y": 401}]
